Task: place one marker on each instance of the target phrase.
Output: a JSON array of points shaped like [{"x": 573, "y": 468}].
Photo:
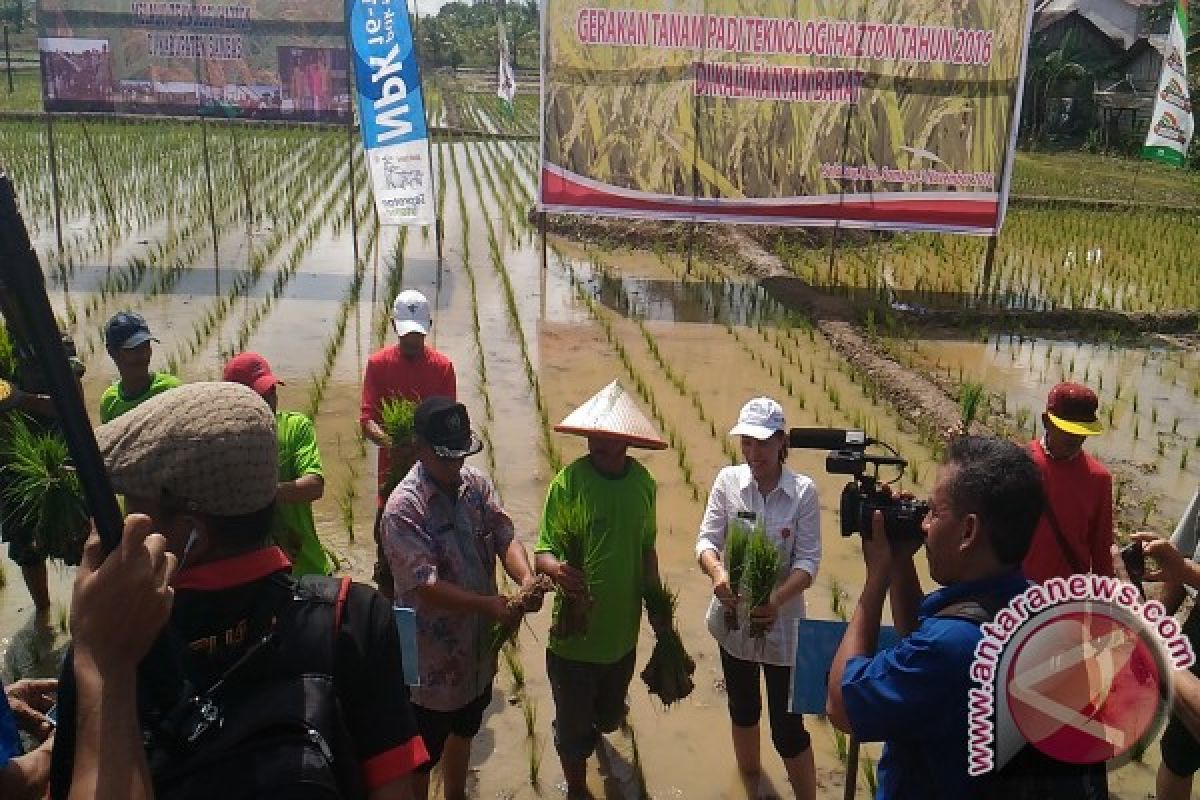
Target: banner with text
[
  {"x": 894, "y": 114},
  {"x": 1173, "y": 123},
  {"x": 391, "y": 111},
  {"x": 263, "y": 59}
]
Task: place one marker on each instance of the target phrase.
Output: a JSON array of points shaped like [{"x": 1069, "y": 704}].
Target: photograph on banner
[
  {"x": 879, "y": 113},
  {"x": 261, "y": 59}
]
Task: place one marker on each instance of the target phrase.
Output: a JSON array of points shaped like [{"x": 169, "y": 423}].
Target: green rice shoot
[
  {"x": 396, "y": 415},
  {"x": 43, "y": 489},
  {"x": 763, "y": 565},
  {"x": 737, "y": 544}
]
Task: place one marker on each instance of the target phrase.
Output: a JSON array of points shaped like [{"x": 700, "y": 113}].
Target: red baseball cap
[
  {"x": 1072, "y": 409},
  {"x": 251, "y": 369}
]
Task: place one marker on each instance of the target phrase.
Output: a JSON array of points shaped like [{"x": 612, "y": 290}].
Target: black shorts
[
  {"x": 1181, "y": 750},
  {"x": 589, "y": 699},
  {"x": 436, "y": 726},
  {"x": 745, "y": 702}
]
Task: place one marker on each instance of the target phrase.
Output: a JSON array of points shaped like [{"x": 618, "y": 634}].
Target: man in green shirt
[
  {"x": 127, "y": 339},
  {"x": 301, "y": 478},
  {"x": 590, "y": 671}
]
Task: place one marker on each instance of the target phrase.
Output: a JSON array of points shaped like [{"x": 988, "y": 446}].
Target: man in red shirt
[
  {"x": 1075, "y": 533},
  {"x": 409, "y": 369}
]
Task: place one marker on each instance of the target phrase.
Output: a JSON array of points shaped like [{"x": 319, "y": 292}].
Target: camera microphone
[{"x": 827, "y": 438}]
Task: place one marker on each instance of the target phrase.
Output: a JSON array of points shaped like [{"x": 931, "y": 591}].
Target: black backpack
[
  {"x": 270, "y": 725},
  {"x": 1030, "y": 774}
]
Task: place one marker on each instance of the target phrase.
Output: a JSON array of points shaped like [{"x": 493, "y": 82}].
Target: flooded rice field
[
  {"x": 1149, "y": 399},
  {"x": 300, "y": 270}
]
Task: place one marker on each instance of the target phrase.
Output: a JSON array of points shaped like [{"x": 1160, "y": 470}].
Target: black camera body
[
  {"x": 902, "y": 517},
  {"x": 863, "y": 496}
]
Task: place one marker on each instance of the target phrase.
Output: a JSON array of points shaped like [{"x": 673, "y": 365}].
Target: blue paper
[
  {"x": 406, "y": 626},
  {"x": 816, "y": 642}
]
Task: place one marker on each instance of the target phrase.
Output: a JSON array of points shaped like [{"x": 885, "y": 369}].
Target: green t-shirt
[
  {"x": 293, "y": 527},
  {"x": 114, "y": 403},
  {"x": 623, "y": 530}
]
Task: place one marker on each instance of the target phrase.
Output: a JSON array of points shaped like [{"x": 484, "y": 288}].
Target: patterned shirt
[{"x": 430, "y": 536}]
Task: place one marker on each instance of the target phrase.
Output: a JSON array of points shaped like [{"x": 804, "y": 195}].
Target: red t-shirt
[
  {"x": 1079, "y": 490},
  {"x": 389, "y": 374}
]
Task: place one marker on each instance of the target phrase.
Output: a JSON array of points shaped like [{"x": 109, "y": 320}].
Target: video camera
[{"x": 864, "y": 495}]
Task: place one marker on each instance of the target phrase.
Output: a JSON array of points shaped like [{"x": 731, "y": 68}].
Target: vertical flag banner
[
  {"x": 258, "y": 59},
  {"x": 1173, "y": 124},
  {"x": 888, "y": 114},
  {"x": 506, "y": 81},
  {"x": 391, "y": 111}
]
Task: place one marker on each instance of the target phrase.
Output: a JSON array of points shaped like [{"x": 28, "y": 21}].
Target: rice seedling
[
  {"x": 841, "y": 745},
  {"x": 43, "y": 489},
  {"x": 970, "y": 401},
  {"x": 869, "y": 775},
  {"x": 837, "y": 599},
  {"x": 571, "y": 529},
  {"x": 535, "y": 760},
  {"x": 516, "y": 670},
  {"x": 529, "y": 712},
  {"x": 668, "y": 673},
  {"x": 763, "y": 565},
  {"x": 737, "y": 547}
]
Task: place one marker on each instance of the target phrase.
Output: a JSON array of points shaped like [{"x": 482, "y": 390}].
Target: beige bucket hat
[
  {"x": 210, "y": 446},
  {"x": 612, "y": 414}
]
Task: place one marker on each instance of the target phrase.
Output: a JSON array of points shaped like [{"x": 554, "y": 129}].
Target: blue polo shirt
[
  {"x": 913, "y": 697},
  {"x": 10, "y": 740}
]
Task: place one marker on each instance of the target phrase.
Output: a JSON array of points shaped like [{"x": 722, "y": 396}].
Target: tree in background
[{"x": 464, "y": 34}]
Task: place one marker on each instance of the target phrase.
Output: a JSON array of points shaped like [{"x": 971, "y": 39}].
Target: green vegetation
[
  {"x": 668, "y": 673},
  {"x": 763, "y": 565},
  {"x": 27, "y": 91},
  {"x": 397, "y": 414},
  {"x": 571, "y": 527},
  {"x": 43, "y": 490}
]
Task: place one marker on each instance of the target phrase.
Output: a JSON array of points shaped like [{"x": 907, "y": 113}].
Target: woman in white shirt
[{"x": 763, "y": 491}]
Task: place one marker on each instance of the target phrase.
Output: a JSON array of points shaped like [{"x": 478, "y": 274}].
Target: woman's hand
[
  {"x": 765, "y": 615},
  {"x": 721, "y": 588}
]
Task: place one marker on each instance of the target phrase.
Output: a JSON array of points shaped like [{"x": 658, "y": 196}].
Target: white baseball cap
[
  {"x": 761, "y": 418},
  {"x": 410, "y": 313}
]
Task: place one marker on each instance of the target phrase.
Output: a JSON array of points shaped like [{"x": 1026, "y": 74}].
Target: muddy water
[
  {"x": 1148, "y": 399},
  {"x": 708, "y": 330}
]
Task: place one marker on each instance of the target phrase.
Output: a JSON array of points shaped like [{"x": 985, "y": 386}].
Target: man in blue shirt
[{"x": 913, "y": 697}]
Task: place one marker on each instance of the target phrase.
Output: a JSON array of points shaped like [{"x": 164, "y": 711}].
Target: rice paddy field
[{"x": 288, "y": 259}]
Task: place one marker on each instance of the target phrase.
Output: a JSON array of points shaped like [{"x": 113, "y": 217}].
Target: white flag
[
  {"x": 1172, "y": 125},
  {"x": 506, "y": 83}
]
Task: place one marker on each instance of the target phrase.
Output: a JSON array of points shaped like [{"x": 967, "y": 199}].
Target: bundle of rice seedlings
[
  {"x": 42, "y": 489},
  {"x": 763, "y": 564},
  {"x": 668, "y": 673},
  {"x": 396, "y": 415},
  {"x": 737, "y": 541},
  {"x": 572, "y": 528},
  {"x": 523, "y": 601},
  {"x": 396, "y": 418}
]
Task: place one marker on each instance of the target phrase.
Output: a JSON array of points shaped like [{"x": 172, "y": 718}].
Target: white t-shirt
[{"x": 791, "y": 516}]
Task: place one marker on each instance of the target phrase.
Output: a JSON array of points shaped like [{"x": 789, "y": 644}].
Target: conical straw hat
[{"x": 612, "y": 414}]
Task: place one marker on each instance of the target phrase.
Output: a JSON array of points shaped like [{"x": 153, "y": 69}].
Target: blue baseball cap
[{"x": 126, "y": 330}]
